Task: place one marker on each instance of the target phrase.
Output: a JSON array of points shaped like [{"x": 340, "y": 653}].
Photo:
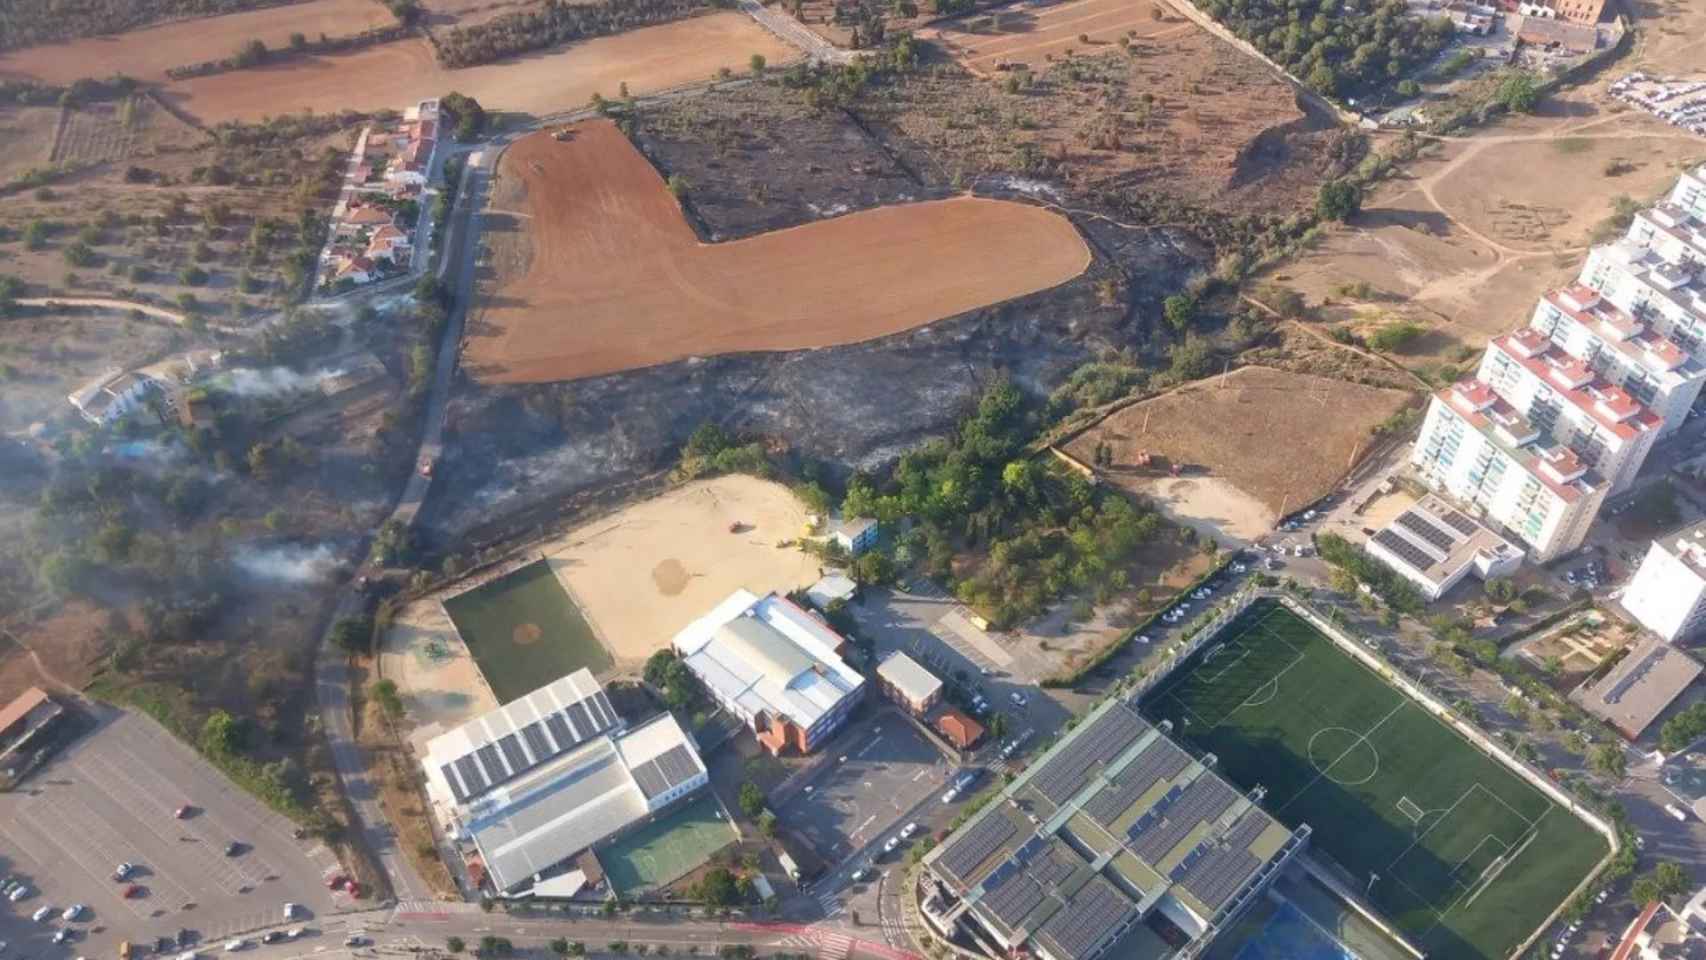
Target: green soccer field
[
  {"x": 524, "y": 631},
  {"x": 1459, "y": 852},
  {"x": 666, "y": 850}
]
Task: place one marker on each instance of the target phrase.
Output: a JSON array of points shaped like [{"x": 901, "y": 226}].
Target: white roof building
[
  {"x": 775, "y": 666},
  {"x": 542, "y": 778},
  {"x": 1434, "y": 545},
  {"x": 907, "y": 677},
  {"x": 1667, "y": 595}
]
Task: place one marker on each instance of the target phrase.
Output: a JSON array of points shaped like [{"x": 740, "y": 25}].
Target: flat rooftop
[
  {"x": 909, "y": 677},
  {"x": 520, "y": 735},
  {"x": 1436, "y": 540},
  {"x": 1554, "y": 465},
  {"x": 1640, "y": 687},
  {"x": 1111, "y": 820},
  {"x": 1688, "y": 545}
]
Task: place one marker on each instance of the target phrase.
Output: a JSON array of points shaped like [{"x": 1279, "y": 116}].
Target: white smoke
[
  {"x": 288, "y": 563},
  {"x": 274, "y": 381}
]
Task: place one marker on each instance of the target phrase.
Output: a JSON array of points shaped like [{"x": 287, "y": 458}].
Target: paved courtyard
[{"x": 110, "y": 798}]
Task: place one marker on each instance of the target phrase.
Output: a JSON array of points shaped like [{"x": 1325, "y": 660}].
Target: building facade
[
  {"x": 906, "y": 682},
  {"x": 1667, "y": 595}
]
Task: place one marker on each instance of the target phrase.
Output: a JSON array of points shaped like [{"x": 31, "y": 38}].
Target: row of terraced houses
[{"x": 1562, "y": 413}]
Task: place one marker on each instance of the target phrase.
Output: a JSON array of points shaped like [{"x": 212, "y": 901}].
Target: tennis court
[
  {"x": 1460, "y": 853},
  {"x": 524, "y": 631},
  {"x": 667, "y": 849}
]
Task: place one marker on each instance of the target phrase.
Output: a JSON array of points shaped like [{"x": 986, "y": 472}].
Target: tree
[
  {"x": 220, "y": 734},
  {"x": 751, "y": 800},
  {"x": 757, "y": 63},
  {"x": 873, "y": 567},
  {"x": 353, "y": 634},
  {"x": 385, "y": 694},
  {"x": 678, "y": 185},
  {"x": 1518, "y": 92},
  {"x": 1667, "y": 880},
  {"x": 1179, "y": 310},
  {"x": 394, "y": 544},
  {"x": 1500, "y": 590},
  {"x": 718, "y": 888},
  {"x": 455, "y": 945},
  {"x": 1608, "y": 759},
  {"x": 1338, "y": 200},
  {"x": 251, "y": 53}
]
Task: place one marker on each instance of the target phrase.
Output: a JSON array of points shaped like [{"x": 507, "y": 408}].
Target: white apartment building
[
  {"x": 1476, "y": 448},
  {"x": 1690, "y": 192},
  {"x": 1620, "y": 348},
  {"x": 1667, "y": 595},
  {"x": 1668, "y": 297},
  {"x": 1568, "y": 402}
]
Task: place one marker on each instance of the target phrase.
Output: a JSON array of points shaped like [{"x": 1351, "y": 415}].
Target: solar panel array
[
  {"x": 1404, "y": 549},
  {"x": 512, "y": 754},
  {"x": 1161, "y": 760},
  {"x": 1014, "y": 898},
  {"x": 1224, "y": 867},
  {"x": 1056, "y": 866},
  {"x": 1106, "y": 738},
  {"x": 1089, "y": 919},
  {"x": 976, "y": 845},
  {"x": 666, "y": 771},
  {"x": 1461, "y": 523},
  {"x": 1422, "y": 527},
  {"x": 1206, "y": 798}
]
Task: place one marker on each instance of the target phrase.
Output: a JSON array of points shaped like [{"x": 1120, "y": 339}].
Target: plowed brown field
[
  {"x": 615, "y": 279},
  {"x": 394, "y": 75},
  {"x": 148, "y": 53},
  {"x": 1028, "y": 33}
]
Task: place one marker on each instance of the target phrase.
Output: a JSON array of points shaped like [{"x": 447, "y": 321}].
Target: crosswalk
[{"x": 827, "y": 944}]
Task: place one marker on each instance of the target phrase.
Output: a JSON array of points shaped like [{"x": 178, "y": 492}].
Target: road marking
[
  {"x": 921, "y": 775},
  {"x": 861, "y": 827}
]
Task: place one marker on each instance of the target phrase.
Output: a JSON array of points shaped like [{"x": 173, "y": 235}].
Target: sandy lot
[
  {"x": 597, "y": 236},
  {"x": 643, "y": 573},
  {"x": 1026, "y": 33},
  {"x": 1239, "y": 442},
  {"x": 148, "y": 53},
  {"x": 435, "y": 675},
  {"x": 30, "y": 132},
  {"x": 394, "y": 75}
]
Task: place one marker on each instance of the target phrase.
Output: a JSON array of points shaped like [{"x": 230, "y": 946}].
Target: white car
[
  {"x": 61, "y": 935},
  {"x": 892, "y": 844},
  {"x": 20, "y": 893},
  {"x": 41, "y": 914},
  {"x": 952, "y": 795},
  {"x": 232, "y": 946},
  {"x": 907, "y": 831},
  {"x": 293, "y": 933},
  {"x": 1017, "y": 698},
  {"x": 290, "y": 910},
  {"x": 72, "y": 912}
]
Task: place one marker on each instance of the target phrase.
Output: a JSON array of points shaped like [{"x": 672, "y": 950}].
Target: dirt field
[
  {"x": 435, "y": 675},
  {"x": 148, "y": 53},
  {"x": 605, "y": 242},
  {"x": 649, "y": 570},
  {"x": 1236, "y": 440},
  {"x": 394, "y": 75},
  {"x": 1033, "y": 32},
  {"x": 29, "y": 131}
]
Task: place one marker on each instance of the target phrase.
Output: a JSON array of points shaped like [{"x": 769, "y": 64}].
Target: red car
[
  {"x": 336, "y": 881},
  {"x": 132, "y": 892}
]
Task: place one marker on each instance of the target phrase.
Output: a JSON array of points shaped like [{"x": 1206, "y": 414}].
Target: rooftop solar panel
[
  {"x": 651, "y": 782},
  {"x": 581, "y": 720},
  {"x": 537, "y": 742},
  {"x": 560, "y": 731},
  {"x": 607, "y": 713},
  {"x": 975, "y": 845},
  {"x": 1205, "y": 799},
  {"x": 472, "y": 778},
  {"x": 1066, "y": 772},
  {"x": 1422, "y": 527},
  {"x": 512, "y": 751},
  {"x": 1089, "y": 920},
  {"x": 1161, "y": 760},
  {"x": 1014, "y": 899},
  {"x": 1405, "y": 550},
  {"x": 489, "y": 762},
  {"x": 676, "y": 765},
  {"x": 1461, "y": 523},
  {"x": 455, "y": 782},
  {"x": 1054, "y": 867}
]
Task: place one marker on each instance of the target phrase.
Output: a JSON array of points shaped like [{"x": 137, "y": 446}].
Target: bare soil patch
[
  {"x": 605, "y": 242},
  {"x": 148, "y": 53},
  {"x": 1237, "y": 440},
  {"x": 436, "y": 677},
  {"x": 1033, "y": 33},
  {"x": 28, "y": 132},
  {"x": 393, "y": 75}
]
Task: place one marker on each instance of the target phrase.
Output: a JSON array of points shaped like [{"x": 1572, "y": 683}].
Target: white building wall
[
  {"x": 1690, "y": 192},
  {"x": 1555, "y": 413},
  {"x": 1669, "y": 400},
  {"x": 1666, "y": 595},
  {"x": 1616, "y": 271}
]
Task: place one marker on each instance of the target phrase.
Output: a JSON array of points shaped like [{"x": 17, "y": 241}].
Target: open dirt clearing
[
  {"x": 1239, "y": 441},
  {"x": 435, "y": 674},
  {"x": 148, "y": 53},
  {"x": 646, "y": 571},
  {"x": 29, "y": 133},
  {"x": 604, "y": 241},
  {"x": 1027, "y": 33},
  {"x": 394, "y": 75}
]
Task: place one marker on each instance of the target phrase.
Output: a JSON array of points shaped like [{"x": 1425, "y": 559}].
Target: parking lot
[{"x": 111, "y": 798}]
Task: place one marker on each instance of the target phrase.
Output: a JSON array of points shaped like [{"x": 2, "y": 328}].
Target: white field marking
[{"x": 1364, "y": 737}]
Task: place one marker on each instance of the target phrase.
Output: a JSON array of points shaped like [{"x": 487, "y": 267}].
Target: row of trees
[
  {"x": 1336, "y": 53},
  {"x": 550, "y": 24}
]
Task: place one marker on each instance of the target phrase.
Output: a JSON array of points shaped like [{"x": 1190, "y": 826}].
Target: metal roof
[{"x": 520, "y": 735}]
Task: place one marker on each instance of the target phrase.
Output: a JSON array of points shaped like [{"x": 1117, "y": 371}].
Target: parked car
[
  {"x": 233, "y": 945},
  {"x": 41, "y": 914},
  {"x": 860, "y": 875},
  {"x": 294, "y": 933},
  {"x": 72, "y": 913},
  {"x": 892, "y": 845},
  {"x": 133, "y": 891},
  {"x": 182, "y": 813},
  {"x": 1017, "y": 698},
  {"x": 124, "y": 871},
  {"x": 18, "y": 893},
  {"x": 233, "y": 848},
  {"x": 272, "y": 936},
  {"x": 355, "y": 940},
  {"x": 61, "y": 935},
  {"x": 907, "y": 831},
  {"x": 290, "y": 911}
]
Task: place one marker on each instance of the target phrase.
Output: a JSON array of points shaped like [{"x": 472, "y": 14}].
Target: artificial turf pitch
[
  {"x": 1461, "y": 854},
  {"x": 668, "y": 849},
  {"x": 524, "y": 631}
]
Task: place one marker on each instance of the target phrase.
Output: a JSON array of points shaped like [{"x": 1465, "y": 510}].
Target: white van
[
  {"x": 1676, "y": 811},
  {"x": 231, "y": 946}
]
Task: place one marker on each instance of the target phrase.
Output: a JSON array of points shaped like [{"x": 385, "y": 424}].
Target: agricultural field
[
  {"x": 147, "y": 54},
  {"x": 1179, "y": 114},
  {"x": 393, "y": 75},
  {"x": 1230, "y": 436},
  {"x": 1462, "y": 854},
  {"x": 30, "y": 133},
  {"x": 1033, "y": 33},
  {"x": 662, "y": 296}
]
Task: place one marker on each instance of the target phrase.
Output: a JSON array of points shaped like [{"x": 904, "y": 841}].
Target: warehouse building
[
  {"x": 553, "y": 773},
  {"x": 774, "y": 665}
]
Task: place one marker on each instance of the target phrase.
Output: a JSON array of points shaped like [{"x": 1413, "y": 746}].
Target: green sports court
[
  {"x": 1458, "y": 851},
  {"x": 524, "y": 631},
  {"x": 668, "y": 848}
]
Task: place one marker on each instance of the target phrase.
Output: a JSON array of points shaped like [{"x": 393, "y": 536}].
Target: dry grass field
[
  {"x": 598, "y": 237},
  {"x": 28, "y": 134},
  {"x": 394, "y": 75},
  {"x": 1237, "y": 440},
  {"x": 148, "y": 53},
  {"x": 1035, "y": 31}
]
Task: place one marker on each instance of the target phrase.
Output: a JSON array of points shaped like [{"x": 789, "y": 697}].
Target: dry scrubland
[
  {"x": 1033, "y": 32},
  {"x": 392, "y": 75},
  {"x": 1276, "y": 438},
  {"x": 148, "y": 53},
  {"x": 599, "y": 238}
]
